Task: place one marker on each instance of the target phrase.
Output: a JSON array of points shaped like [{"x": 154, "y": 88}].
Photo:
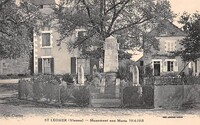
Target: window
[
  {"x": 170, "y": 45},
  {"x": 46, "y": 65},
  {"x": 141, "y": 63},
  {"x": 46, "y": 39},
  {"x": 170, "y": 66},
  {"x": 81, "y": 34},
  {"x": 41, "y": 6}
]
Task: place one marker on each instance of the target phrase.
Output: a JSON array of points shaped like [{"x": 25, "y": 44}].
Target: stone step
[
  {"x": 102, "y": 96},
  {"x": 105, "y": 102}
]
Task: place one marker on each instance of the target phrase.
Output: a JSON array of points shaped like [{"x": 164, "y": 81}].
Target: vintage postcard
[{"x": 121, "y": 62}]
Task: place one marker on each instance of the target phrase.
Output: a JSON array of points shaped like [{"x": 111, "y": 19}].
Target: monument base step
[
  {"x": 106, "y": 103},
  {"x": 102, "y": 96}
]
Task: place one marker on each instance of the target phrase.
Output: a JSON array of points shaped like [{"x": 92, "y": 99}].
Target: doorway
[{"x": 156, "y": 69}]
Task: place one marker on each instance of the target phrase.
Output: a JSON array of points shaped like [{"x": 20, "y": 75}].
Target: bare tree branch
[
  {"x": 129, "y": 25},
  {"x": 115, "y": 15}
]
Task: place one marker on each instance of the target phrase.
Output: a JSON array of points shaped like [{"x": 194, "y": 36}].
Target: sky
[{"x": 179, "y": 6}]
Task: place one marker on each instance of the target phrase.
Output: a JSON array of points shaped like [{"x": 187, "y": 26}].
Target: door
[
  {"x": 156, "y": 70},
  {"x": 46, "y": 66}
]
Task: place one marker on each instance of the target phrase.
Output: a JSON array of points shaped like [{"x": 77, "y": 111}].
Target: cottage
[{"x": 164, "y": 61}]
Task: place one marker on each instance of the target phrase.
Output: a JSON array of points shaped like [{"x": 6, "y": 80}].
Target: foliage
[
  {"x": 65, "y": 94},
  {"x": 148, "y": 95},
  {"x": 25, "y": 89},
  {"x": 191, "y": 44},
  {"x": 131, "y": 97},
  {"x": 148, "y": 71},
  {"x": 67, "y": 78},
  {"x": 39, "y": 87},
  {"x": 170, "y": 80},
  {"x": 127, "y": 20},
  {"x": 124, "y": 70},
  {"x": 47, "y": 87},
  {"x": 81, "y": 95},
  {"x": 16, "y": 28},
  {"x": 14, "y": 76}
]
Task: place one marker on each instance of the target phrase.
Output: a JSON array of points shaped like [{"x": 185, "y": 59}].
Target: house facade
[
  {"x": 52, "y": 57},
  {"x": 164, "y": 61}
]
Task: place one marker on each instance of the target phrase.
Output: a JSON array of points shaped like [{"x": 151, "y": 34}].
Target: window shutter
[
  {"x": 164, "y": 66},
  {"x": 92, "y": 63},
  {"x": 165, "y": 46},
  {"x": 39, "y": 65},
  {"x": 73, "y": 65},
  {"x": 52, "y": 65},
  {"x": 175, "y": 66},
  {"x": 174, "y": 45}
]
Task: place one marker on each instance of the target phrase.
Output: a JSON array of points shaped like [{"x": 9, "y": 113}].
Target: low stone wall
[
  {"x": 12, "y": 80},
  {"x": 170, "y": 96},
  {"x": 192, "y": 94},
  {"x": 9, "y": 80}
]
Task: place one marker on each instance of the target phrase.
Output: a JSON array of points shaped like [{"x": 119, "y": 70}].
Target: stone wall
[
  {"x": 170, "y": 96},
  {"x": 15, "y": 66}
]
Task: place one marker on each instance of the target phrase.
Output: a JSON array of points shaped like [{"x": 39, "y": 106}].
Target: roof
[
  {"x": 43, "y": 2},
  {"x": 167, "y": 28}
]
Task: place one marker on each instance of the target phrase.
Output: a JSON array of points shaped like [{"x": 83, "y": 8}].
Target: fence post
[
  {"x": 59, "y": 94},
  {"x": 90, "y": 96},
  {"x": 19, "y": 90},
  {"x": 122, "y": 100}
]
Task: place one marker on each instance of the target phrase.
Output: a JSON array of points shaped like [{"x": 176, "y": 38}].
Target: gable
[{"x": 167, "y": 28}]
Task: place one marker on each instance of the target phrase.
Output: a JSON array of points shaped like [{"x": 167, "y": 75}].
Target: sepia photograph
[{"x": 94, "y": 62}]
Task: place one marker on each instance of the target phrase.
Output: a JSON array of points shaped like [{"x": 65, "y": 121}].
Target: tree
[
  {"x": 128, "y": 20},
  {"x": 191, "y": 43},
  {"x": 16, "y": 28}
]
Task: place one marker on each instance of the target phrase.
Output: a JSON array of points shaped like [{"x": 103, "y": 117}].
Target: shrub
[
  {"x": 89, "y": 78},
  {"x": 25, "y": 89},
  {"x": 14, "y": 76},
  {"x": 65, "y": 94},
  {"x": 148, "y": 71},
  {"x": 45, "y": 86},
  {"x": 68, "y": 78},
  {"x": 37, "y": 90},
  {"x": 50, "y": 90},
  {"x": 131, "y": 97},
  {"x": 124, "y": 70},
  {"x": 81, "y": 95}
]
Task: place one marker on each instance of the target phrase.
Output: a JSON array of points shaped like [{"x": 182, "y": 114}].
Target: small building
[
  {"x": 163, "y": 61},
  {"x": 52, "y": 56}
]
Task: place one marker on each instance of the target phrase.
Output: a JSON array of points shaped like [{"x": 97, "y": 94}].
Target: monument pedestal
[
  {"x": 110, "y": 78},
  {"x": 108, "y": 94}
]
